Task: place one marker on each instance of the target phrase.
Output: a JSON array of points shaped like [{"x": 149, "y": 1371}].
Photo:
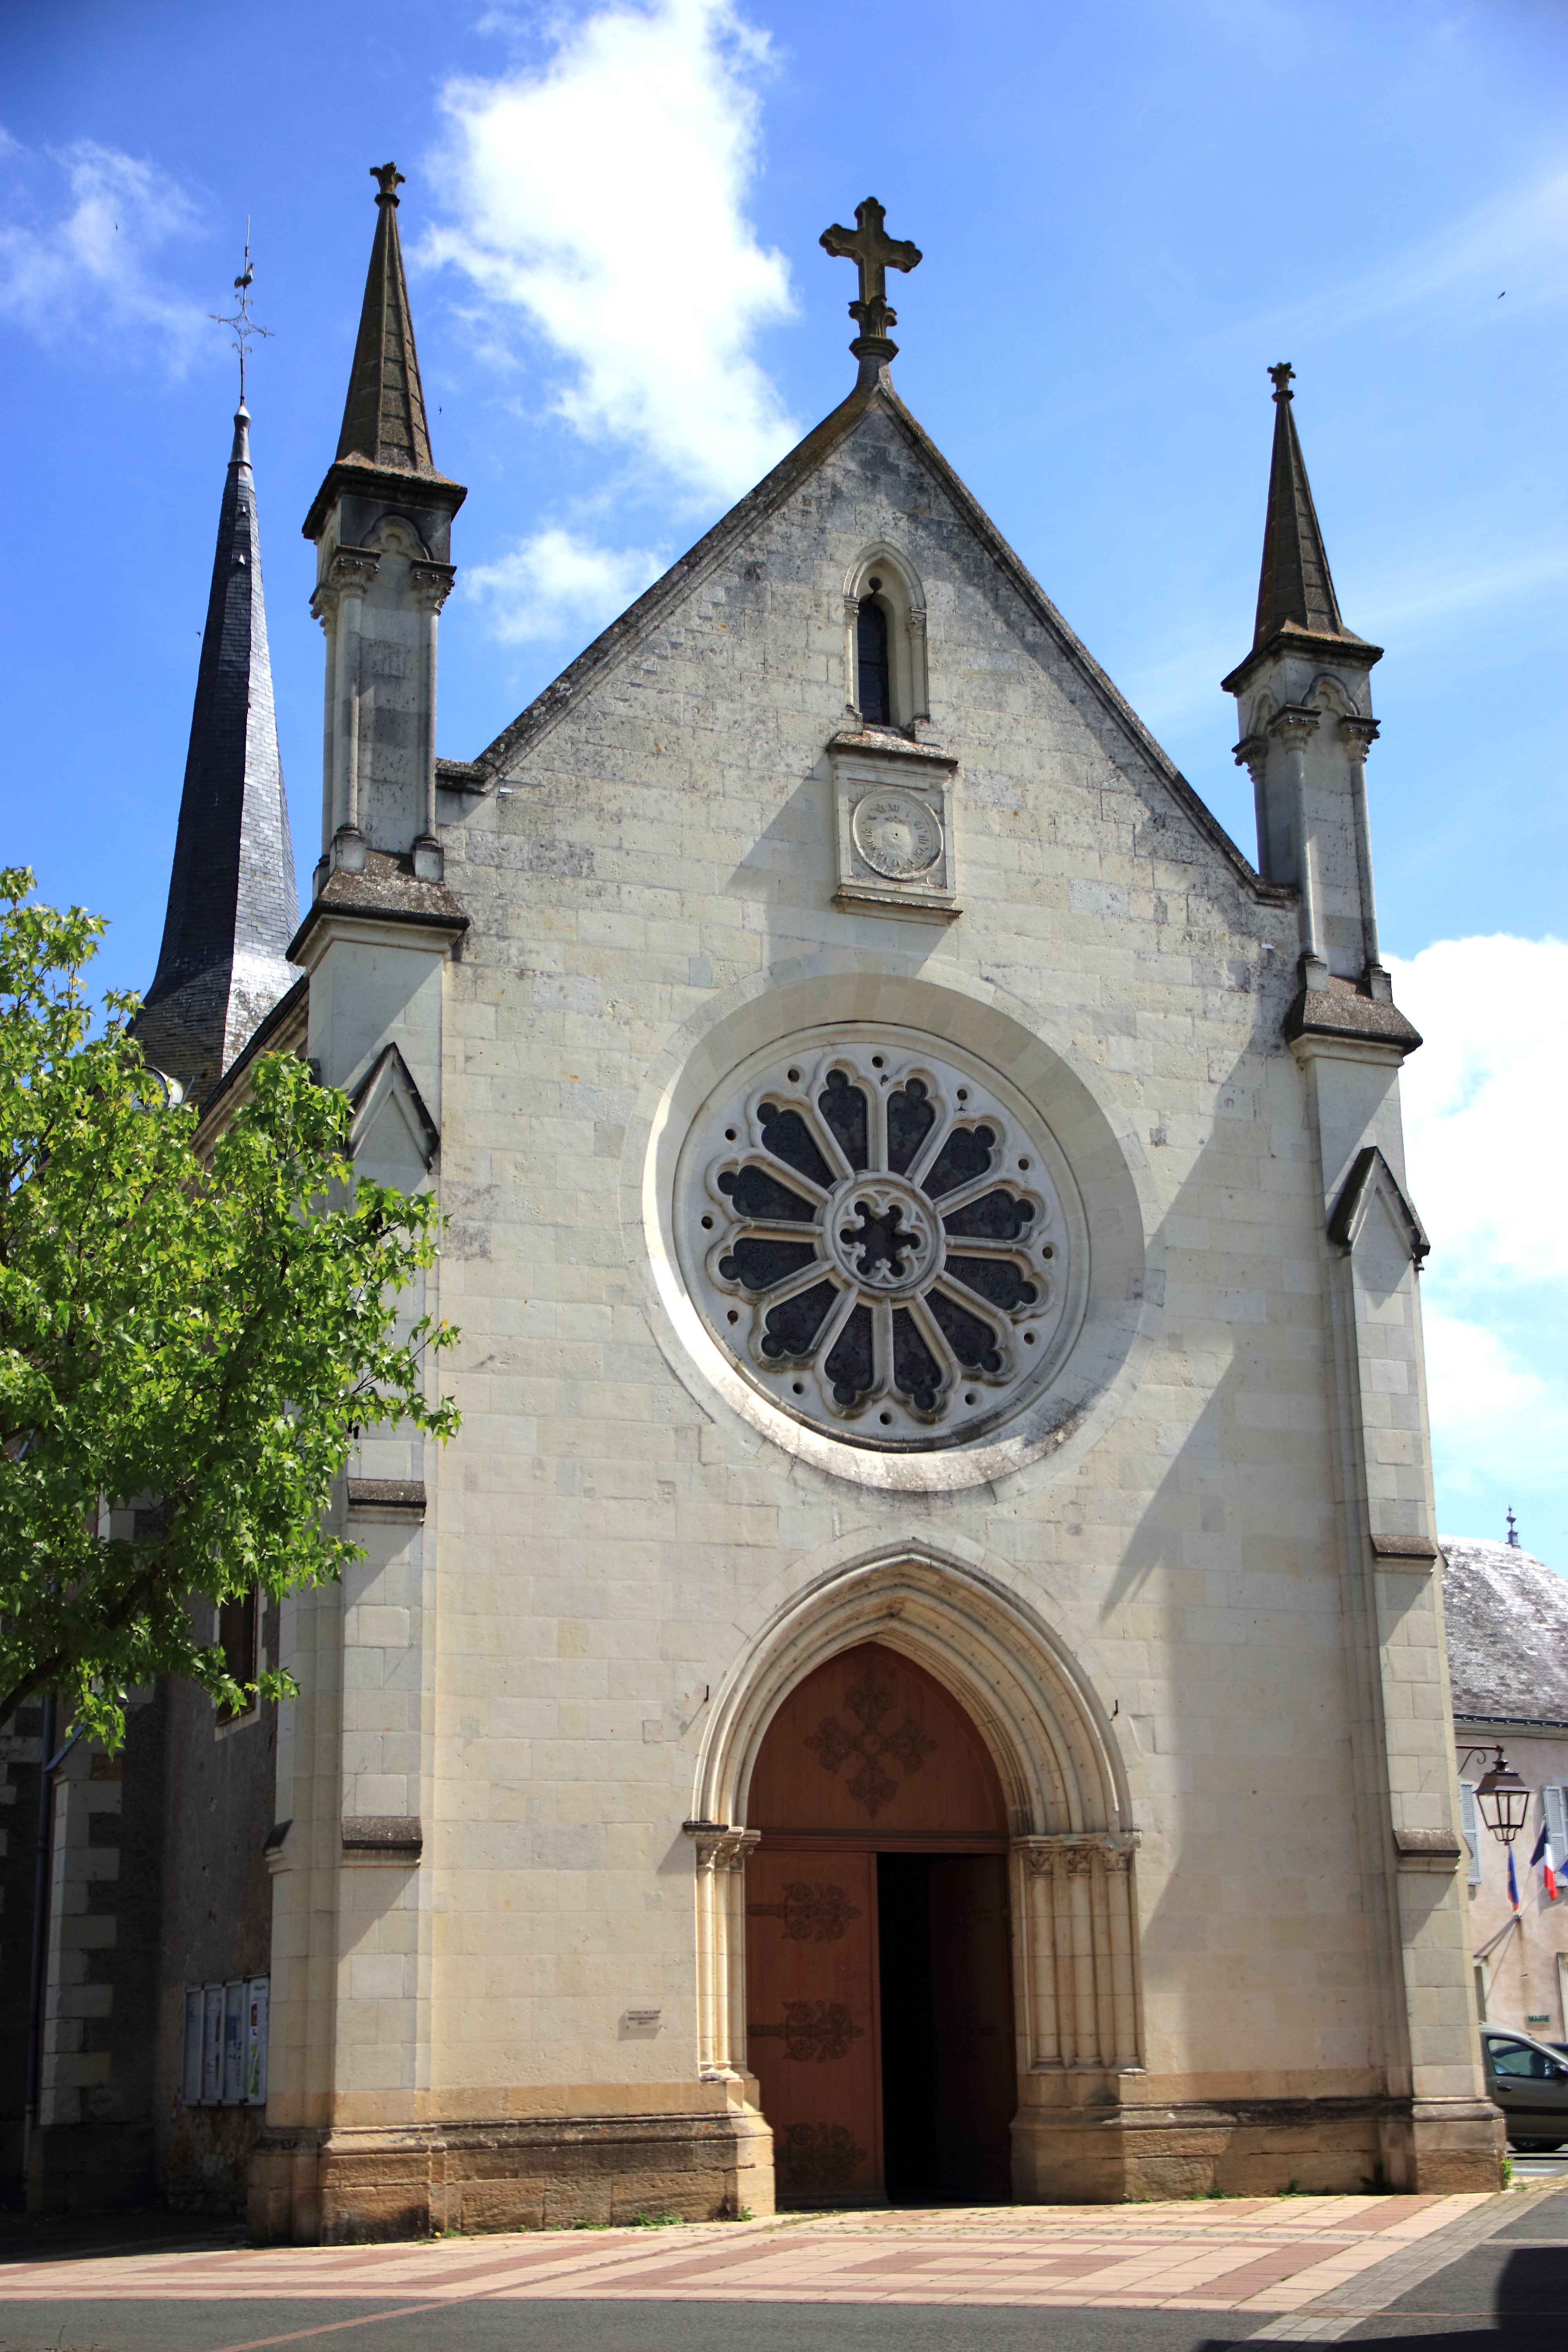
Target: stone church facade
[{"x": 930, "y": 1633}]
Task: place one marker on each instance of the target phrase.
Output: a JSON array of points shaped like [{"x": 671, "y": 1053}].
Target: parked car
[{"x": 1528, "y": 2080}]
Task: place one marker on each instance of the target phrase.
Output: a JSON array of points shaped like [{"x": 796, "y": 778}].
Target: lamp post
[{"x": 1501, "y": 1795}]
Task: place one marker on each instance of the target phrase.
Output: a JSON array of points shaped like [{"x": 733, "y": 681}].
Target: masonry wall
[{"x": 611, "y": 1534}]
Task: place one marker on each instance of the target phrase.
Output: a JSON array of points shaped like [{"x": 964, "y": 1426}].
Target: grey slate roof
[
  {"x": 1508, "y": 1631},
  {"x": 233, "y": 902}
]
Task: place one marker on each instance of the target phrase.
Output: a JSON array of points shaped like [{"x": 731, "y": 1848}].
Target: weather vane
[{"x": 245, "y": 327}]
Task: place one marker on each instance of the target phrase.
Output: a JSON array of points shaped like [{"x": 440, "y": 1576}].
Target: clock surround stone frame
[{"x": 876, "y": 761}]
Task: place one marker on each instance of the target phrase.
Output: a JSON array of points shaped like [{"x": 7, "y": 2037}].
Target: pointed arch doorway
[{"x": 879, "y": 1982}]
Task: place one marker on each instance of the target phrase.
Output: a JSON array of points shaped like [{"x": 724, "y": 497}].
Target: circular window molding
[
  {"x": 883, "y": 1237},
  {"x": 1118, "y": 1267}
]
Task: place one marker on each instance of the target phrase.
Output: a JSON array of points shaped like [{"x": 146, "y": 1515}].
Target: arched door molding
[{"x": 1072, "y": 1838}]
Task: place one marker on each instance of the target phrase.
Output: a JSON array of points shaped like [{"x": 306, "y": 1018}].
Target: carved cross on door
[{"x": 874, "y": 252}]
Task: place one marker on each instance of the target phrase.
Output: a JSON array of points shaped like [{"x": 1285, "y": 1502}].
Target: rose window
[{"x": 879, "y": 1240}]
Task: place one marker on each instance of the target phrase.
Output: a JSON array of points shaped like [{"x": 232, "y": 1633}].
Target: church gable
[{"x": 714, "y": 714}]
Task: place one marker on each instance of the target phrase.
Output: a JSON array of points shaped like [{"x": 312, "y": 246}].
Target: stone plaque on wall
[{"x": 893, "y": 813}]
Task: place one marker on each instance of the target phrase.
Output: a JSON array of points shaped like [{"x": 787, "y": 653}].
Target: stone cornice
[
  {"x": 881, "y": 743},
  {"x": 356, "y": 477},
  {"x": 387, "y": 891},
  {"x": 1307, "y": 645},
  {"x": 1342, "y": 1011}
]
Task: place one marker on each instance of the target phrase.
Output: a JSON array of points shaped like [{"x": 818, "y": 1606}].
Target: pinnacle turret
[
  {"x": 1295, "y": 587},
  {"x": 233, "y": 904},
  {"x": 384, "y": 416}
]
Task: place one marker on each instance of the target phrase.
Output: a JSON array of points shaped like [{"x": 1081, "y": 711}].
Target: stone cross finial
[
  {"x": 874, "y": 252},
  {"x": 389, "y": 179},
  {"x": 1281, "y": 376}
]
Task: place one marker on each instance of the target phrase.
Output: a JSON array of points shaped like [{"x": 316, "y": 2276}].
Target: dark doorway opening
[{"x": 949, "y": 2085}]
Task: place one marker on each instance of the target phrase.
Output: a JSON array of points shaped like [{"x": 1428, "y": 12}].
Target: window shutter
[
  {"x": 234, "y": 2025},
  {"x": 1470, "y": 1823},
  {"x": 191, "y": 2070},
  {"x": 256, "y": 2043},
  {"x": 1556, "y": 1804},
  {"x": 212, "y": 2045}
]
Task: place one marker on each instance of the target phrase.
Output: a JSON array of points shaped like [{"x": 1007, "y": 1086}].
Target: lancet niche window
[
  {"x": 872, "y": 651},
  {"x": 885, "y": 642}
]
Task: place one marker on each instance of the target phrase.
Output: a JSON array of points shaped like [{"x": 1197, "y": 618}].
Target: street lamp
[{"x": 1501, "y": 1796}]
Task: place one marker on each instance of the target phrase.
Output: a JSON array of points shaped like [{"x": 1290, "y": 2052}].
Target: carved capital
[
  {"x": 915, "y": 622},
  {"x": 718, "y": 1846},
  {"x": 1252, "y": 754},
  {"x": 430, "y": 584},
  {"x": 352, "y": 570},
  {"x": 1079, "y": 1858},
  {"x": 1293, "y": 727},
  {"x": 1358, "y": 736}
]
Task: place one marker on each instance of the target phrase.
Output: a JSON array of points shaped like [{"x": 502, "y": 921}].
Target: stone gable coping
[
  {"x": 1369, "y": 1171},
  {"x": 405, "y": 1497},
  {"x": 383, "y": 1837},
  {"x": 1342, "y": 1011},
  {"x": 386, "y": 891}
]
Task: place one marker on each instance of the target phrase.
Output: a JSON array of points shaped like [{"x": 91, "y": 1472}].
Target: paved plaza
[{"x": 1171, "y": 2277}]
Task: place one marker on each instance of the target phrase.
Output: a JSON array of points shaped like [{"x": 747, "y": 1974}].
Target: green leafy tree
[{"x": 190, "y": 1343}]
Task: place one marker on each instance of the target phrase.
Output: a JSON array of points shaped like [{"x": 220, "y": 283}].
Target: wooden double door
[{"x": 880, "y": 2020}]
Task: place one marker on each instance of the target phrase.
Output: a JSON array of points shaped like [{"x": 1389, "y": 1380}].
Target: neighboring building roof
[
  {"x": 1508, "y": 1631},
  {"x": 232, "y": 899}
]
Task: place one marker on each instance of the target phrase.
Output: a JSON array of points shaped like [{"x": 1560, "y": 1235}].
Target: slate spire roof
[
  {"x": 384, "y": 417},
  {"x": 233, "y": 904},
  {"x": 1296, "y": 588}
]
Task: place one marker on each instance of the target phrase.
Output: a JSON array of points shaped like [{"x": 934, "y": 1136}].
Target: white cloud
[
  {"x": 81, "y": 267},
  {"x": 1486, "y": 1109},
  {"x": 1496, "y": 1421},
  {"x": 601, "y": 200},
  {"x": 555, "y": 584},
  {"x": 1486, "y": 1125}
]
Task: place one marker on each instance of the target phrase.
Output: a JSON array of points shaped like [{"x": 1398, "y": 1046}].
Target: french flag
[
  {"x": 1541, "y": 1857},
  {"x": 1512, "y": 1881}
]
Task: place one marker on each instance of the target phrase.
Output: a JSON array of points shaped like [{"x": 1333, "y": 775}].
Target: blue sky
[{"x": 611, "y": 214}]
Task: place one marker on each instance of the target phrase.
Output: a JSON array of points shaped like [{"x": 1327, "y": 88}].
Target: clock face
[{"x": 897, "y": 834}]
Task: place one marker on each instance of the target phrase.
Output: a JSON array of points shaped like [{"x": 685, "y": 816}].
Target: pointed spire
[
  {"x": 1295, "y": 589},
  {"x": 233, "y": 904},
  {"x": 384, "y": 417}
]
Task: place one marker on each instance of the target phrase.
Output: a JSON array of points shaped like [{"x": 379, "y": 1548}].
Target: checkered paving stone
[{"x": 1259, "y": 2254}]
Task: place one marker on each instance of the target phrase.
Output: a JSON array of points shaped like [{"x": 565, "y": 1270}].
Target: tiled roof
[{"x": 1508, "y": 1631}]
